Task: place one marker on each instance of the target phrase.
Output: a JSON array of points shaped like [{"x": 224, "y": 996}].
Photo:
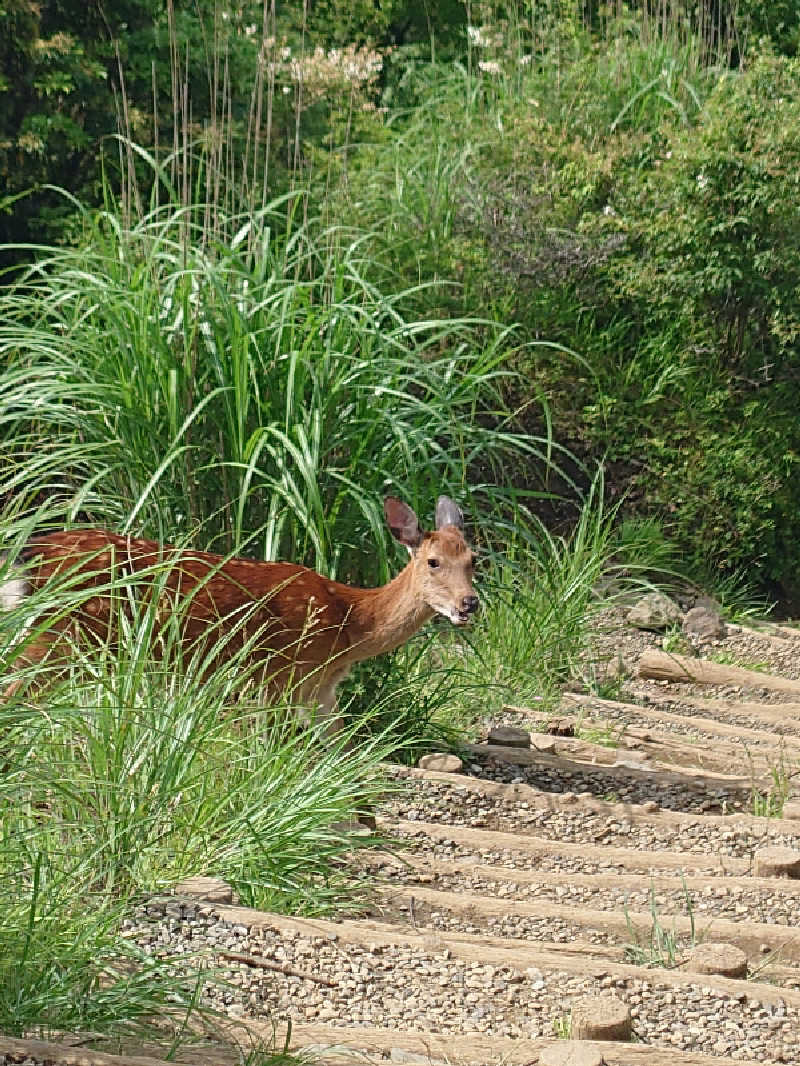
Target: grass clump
[
  {"x": 662, "y": 947},
  {"x": 65, "y": 964},
  {"x": 768, "y": 802}
]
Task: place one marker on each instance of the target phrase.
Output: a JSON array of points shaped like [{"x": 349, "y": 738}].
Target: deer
[{"x": 298, "y": 629}]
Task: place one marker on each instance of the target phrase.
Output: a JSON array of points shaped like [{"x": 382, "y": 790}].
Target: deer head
[{"x": 442, "y": 563}]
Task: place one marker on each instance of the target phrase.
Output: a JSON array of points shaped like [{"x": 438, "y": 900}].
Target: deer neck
[{"x": 388, "y": 616}]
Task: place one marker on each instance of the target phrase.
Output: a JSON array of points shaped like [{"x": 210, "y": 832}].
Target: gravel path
[
  {"x": 404, "y": 987},
  {"x": 718, "y": 901},
  {"x": 446, "y": 966},
  {"x": 445, "y": 850},
  {"x": 642, "y": 692}
]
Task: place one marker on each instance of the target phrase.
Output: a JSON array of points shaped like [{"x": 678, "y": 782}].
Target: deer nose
[{"x": 469, "y": 604}]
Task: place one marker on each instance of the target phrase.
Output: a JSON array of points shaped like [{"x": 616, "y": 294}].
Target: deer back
[{"x": 278, "y": 607}]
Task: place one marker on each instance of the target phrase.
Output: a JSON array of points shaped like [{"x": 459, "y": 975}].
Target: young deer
[{"x": 301, "y": 629}]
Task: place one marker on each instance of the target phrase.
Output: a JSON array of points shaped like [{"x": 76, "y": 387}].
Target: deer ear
[
  {"x": 402, "y": 522},
  {"x": 448, "y": 513}
]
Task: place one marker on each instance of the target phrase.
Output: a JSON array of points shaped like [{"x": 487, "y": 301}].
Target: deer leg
[
  {"x": 328, "y": 712},
  {"x": 333, "y": 725}
]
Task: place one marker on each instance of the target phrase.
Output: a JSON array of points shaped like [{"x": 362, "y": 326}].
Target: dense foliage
[{"x": 618, "y": 185}]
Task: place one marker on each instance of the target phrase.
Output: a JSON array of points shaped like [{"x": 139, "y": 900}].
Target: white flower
[
  {"x": 702, "y": 182},
  {"x": 525, "y": 61},
  {"x": 489, "y": 66},
  {"x": 609, "y": 211},
  {"x": 476, "y": 38}
]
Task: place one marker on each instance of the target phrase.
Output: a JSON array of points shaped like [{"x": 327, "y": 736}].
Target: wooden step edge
[
  {"x": 56, "y": 1054},
  {"x": 656, "y": 665},
  {"x": 501, "y": 840},
  {"x": 61, "y": 1054},
  {"x": 774, "y": 713},
  {"x": 571, "y": 701},
  {"x": 787, "y": 632},
  {"x": 772, "y": 631},
  {"x": 633, "y": 812},
  {"x": 600, "y": 880},
  {"x": 657, "y": 771},
  {"x": 478, "y": 1049},
  {"x": 749, "y": 936},
  {"x": 496, "y": 951}
]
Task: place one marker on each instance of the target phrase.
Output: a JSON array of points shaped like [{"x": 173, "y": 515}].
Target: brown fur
[{"x": 305, "y": 628}]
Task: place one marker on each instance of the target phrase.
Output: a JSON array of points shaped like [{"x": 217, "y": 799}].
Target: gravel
[
  {"x": 615, "y": 785},
  {"x": 717, "y": 901},
  {"x": 447, "y": 850},
  {"x": 644, "y": 692},
  {"x": 437, "y": 802},
  {"x": 614, "y": 638},
  {"x": 406, "y": 987}
]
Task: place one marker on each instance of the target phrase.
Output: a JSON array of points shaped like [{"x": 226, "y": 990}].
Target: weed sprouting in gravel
[
  {"x": 606, "y": 734},
  {"x": 727, "y": 658},
  {"x": 674, "y": 642},
  {"x": 562, "y": 1027},
  {"x": 661, "y": 947},
  {"x": 768, "y": 803}
]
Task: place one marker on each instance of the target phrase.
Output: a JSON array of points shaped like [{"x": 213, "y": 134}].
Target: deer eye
[{"x": 433, "y": 563}]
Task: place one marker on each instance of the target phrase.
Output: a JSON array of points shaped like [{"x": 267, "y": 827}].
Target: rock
[
  {"x": 655, "y": 611},
  {"x": 577, "y": 686},
  {"x": 724, "y": 959},
  {"x": 448, "y": 764},
  {"x": 509, "y": 737},
  {"x": 704, "y": 624},
  {"x": 543, "y": 743},
  {"x": 633, "y": 760},
  {"x": 570, "y": 1053},
  {"x": 791, "y": 809},
  {"x": 212, "y": 889},
  {"x": 600, "y": 1018},
  {"x": 638, "y": 733},
  {"x": 616, "y": 669},
  {"x": 777, "y": 862},
  {"x": 354, "y": 827}
]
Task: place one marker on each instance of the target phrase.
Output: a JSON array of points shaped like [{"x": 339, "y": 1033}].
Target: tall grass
[
  {"x": 266, "y": 400},
  {"x": 135, "y": 767},
  {"x": 64, "y": 966}
]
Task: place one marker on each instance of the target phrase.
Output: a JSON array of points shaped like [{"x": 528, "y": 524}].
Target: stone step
[
  {"x": 613, "y": 764},
  {"x": 525, "y": 798},
  {"x": 475, "y": 1049},
  {"x": 495, "y": 951}
]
